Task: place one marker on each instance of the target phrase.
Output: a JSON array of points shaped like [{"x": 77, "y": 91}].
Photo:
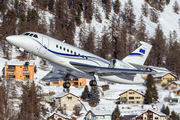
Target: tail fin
[{"x": 139, "y": 56}]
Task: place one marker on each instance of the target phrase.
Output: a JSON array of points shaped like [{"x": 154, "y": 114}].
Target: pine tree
[
  {"x": 154, "y": 16},
  {"x": 94, "y": 95},
  {"x": 173, "y": 115},
  {"x": 163, "y": 109},
  {"x": 167, "y": 2},
  {"x": 85, "y": 92},
  {"x": 158, "y": 49},
  {"x": 88, "y": 10},
  {"x": 148, "y": 97},
  {"x": 51, "y": 5},
  {"x": 116, "y": 113},
  {"x": 154, "y": 93},
  {"x": 149, "y": 82},
  {"x": 145, "y": 9},
  {"x": 117, "y": 6},
  {"x": 105, "y": 47},
  {"x": 176, "y": 7},
  {"x": 129, "y": 15},
  {"x": 141, "y": 34},
  {"x": 107, "y": 4},
  {"x": 167, "y": 110}
]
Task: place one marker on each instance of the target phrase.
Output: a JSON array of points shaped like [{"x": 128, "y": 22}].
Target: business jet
[{"x": 76, "y": 62}]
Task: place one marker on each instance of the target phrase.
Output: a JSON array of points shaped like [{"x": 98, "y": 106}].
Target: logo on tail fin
[{"x": 142, "y": 51}]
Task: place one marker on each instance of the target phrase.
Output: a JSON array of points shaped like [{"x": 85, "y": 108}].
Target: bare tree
[{"x": 77, "y": 109}]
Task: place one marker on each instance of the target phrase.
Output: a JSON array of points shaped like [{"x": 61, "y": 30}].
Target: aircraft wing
[
  {"x": 53, "y": 75},
  {"x": 90, "y": 68}
]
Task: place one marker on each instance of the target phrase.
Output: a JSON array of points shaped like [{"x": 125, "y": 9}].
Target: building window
[
  {"x": 59, "y": 100},
  {"x": 150, "y": 113},
  {"x": 156, "y": 118},
  {"x": 131, "y": 92},
  {"x": 64, "y": 105},
  {"x": 69, "y": 97},
  {"x": 137, "y": 97},
  {"x": 17, "y": 71},
  {"x": 131, "y": 98}
]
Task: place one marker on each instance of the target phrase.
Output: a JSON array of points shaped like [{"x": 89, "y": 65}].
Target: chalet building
[
  {"x": 174, "y": 85},
  {"x": 59, "y": 116},
  {"x": 164, "y": 78},
  {"x": 98, "y": 115},
  {"x": 19, "y": 70},
  {"x": 80, "y": 82},
  {"x": 130, "y": 97},
  {"x": 152, "y": 115},
  {"x": 65, "y": 101}
]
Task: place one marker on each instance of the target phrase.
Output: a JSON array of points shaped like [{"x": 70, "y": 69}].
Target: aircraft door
[{"x": 45, "y": 44}]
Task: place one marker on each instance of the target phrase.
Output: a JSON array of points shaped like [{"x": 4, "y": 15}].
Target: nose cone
[
  {"x": 15, "y": 40},
  {"x": 10, "y": 39}
]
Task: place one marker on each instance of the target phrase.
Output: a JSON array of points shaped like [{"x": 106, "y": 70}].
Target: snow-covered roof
[
  {"x": 156, "y": 112},
  {"x": 158, "y": 69},
  {"x": 99, "y": 112},
  {"x": 16, "y": 63},
  {"x": 163, "y": 74},
  {"x": 176, "y": 82},
  {"x": 61, "y": 95},
  {"x": 140, "y": 92},
  {"x": 60, "y": 114}
]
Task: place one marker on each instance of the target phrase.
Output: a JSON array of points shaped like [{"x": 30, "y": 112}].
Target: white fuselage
[{"x": 60, "y": 54}]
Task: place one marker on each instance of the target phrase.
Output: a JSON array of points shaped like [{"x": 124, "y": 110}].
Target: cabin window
[
  {"x": 64, "y": 49},
  {"x": 67, "y": 50},
  {"x": 82, "y": 56},
  {"x": 74, "y": 53},
  {"x": 26, "y": 33},
  {"x": 56, "y": 46},
  {"x": 79, "y": 55},
  {"x": 71, "y": 51},
  {"x": 60, "y": 47},
  {"x": 35, "y": 36},
  {"x": 86, "y": 57}
]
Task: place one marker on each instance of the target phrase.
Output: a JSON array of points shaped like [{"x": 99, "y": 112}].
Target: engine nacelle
[{"x": 115, "y": 63}]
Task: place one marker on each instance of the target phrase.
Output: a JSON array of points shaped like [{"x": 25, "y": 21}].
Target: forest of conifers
[{"x": 118, "y": 39}]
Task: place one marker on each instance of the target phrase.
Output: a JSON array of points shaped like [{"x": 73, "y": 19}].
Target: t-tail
[{"x": 139, "y": 56}]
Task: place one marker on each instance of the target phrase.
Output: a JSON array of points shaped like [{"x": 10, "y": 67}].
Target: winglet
[{"x": 139, "y": 55}]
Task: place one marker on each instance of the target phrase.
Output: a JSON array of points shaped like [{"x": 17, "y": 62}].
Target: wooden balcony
[
  {"x": 10, "y": 73},
  {"x": 26, "y": 72},
  {"x": 11, "y": 69}
]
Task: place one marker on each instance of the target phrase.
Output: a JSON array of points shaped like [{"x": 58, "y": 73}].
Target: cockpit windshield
[
  {"x": 26, "y": 33},
  {"x": 31, "y": 34}
]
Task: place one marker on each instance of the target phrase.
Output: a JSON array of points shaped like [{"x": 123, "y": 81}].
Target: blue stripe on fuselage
[{"x": 70, "y": 55}]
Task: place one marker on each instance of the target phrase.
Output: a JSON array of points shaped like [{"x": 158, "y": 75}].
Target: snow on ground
[{"x": 106, "y": 101}]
